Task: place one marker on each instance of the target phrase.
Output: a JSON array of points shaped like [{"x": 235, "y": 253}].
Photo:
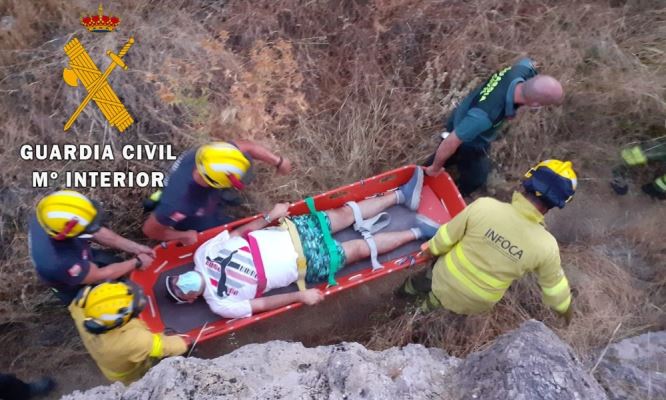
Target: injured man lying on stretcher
[{"x": 233, "y": 270}]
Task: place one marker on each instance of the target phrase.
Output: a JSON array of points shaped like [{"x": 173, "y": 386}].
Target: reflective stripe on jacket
[
  {"x": 124, "y": 354},
  {"x": 489, "y": 245}
]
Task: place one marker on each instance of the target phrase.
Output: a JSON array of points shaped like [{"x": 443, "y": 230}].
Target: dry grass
[
  {"x": 347, "y": 89},
  {"x": 606, "y": 295},
  {"x": 615, "y": 262}
]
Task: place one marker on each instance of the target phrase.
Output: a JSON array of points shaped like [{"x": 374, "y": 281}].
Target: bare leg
[
  {"x": 358, "y": 249},
  {"x": 343, "y": 217}
]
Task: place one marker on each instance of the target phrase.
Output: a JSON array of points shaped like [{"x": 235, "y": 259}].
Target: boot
[
  {"x": 653, "y": 192},
  {"x": 619, "y": 183},
  {"x": 41, "y": 387}
]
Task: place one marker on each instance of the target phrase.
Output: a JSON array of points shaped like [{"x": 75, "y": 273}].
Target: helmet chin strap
[
  {"x": 235, "y": 182},
  {"x": 62, "y": 235}
]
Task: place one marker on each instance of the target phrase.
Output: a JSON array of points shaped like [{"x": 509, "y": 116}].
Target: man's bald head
[{"x": 542, "y": 90}]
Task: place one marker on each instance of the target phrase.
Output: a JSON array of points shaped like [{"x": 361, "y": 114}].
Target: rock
[
  {"x": 635, "y": 368},
  {"x": 7, "y": 23},
  {"x": 281, "y": 370},
  {"x": 530, "y": 363}
]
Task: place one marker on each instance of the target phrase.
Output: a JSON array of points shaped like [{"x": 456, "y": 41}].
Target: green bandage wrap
[{"x": 333, "y": 255}]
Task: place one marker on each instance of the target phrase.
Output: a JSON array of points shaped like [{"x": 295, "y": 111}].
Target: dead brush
[
  {"x": 616, "y": 277},
  {"x": 604, "y": 295},
  {"x": 458, "y": 335}
]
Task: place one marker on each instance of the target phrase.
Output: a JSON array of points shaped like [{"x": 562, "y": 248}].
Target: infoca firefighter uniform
[
  {"x": 489, "y": 245},
  {"x": 121, "y": 344}
]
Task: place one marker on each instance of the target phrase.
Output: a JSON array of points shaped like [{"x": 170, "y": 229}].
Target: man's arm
[
  {"x": 146, "y": 344},
  {"x": 154, "y": 230},
  {"x": 261, "y": 153},
  {"x": 475, "y": 122},
  {"x": 279, "y": 210},
  {"x": 115, "y": 270},
  {"x": 309, "y": 297},
  {"x": 167, "y": 345},
  {"x": 109, "y": 238},
  {"x": 229, "y": 308},
  {"x": 554, "y": 284},
  {"x": 445, "y": 150}
]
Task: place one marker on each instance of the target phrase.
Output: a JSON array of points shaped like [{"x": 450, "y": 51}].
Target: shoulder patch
[
  {"x": 74, "y": 271},
  {"x": 177, "y": 216}
]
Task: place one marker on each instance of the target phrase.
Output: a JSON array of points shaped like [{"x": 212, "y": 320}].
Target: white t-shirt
[{"x": 244, "y": 277}]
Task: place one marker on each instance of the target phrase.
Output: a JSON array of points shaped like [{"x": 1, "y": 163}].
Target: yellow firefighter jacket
[
  {"x": 489, "y": 245},
  {"x": 126, "y": 353}
]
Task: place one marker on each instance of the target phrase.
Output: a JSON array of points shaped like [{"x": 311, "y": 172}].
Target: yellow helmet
[
  {"x": 222, "y": 165},
  {"x": 110, "y": 305},
  {"x": 552, "y": 181},
  {"x": 67, "y": 214}
]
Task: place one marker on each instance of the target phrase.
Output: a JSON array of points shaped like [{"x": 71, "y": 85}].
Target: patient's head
[{"x": 185, "y": 288}]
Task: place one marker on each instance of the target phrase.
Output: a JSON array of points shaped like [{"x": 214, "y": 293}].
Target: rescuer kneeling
[
  {"x": 482, "y": 250},
  {"x": 121, "y": 344},
  {"x": 201, "y": 183},
  {"x": 59, "y": 235}
]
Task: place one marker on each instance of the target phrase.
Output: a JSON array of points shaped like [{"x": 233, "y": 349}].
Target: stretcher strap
[
  {"x": 367, "y": 227},
  {"x": 302, "y": 270},
  {"x": 372, "y": 225},
  {"x": 258, "y": 265},
  {"x": 333, "y": 255},
  {"x": 285, "y": 223}
]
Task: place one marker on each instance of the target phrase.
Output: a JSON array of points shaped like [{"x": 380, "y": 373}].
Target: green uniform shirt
[
  {"x": 484, "y": 110},
  {"x": 486, "y": 247},
  {"x": 126, "y": 353}
]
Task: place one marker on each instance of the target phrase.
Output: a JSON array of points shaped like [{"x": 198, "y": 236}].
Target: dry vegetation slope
[{"x": 349, "y": 89}]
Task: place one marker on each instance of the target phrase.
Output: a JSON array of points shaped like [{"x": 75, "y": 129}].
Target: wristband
[
  {"x": 267, "y": 218},
  {"x": 279, "y": 164},
  {"x": 138, "y": 263}
]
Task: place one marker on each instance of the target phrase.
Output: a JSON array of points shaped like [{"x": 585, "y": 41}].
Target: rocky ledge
[{"x": 528, "y": 363}]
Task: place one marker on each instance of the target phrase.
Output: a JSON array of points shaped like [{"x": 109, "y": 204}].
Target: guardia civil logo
[{"x": 83, "y": 69}]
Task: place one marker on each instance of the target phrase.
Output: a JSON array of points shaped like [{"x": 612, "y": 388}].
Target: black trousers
[{"x": 12, "y": 388}]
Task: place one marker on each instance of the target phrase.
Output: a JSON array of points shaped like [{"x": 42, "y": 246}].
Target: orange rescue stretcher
[{"x": 440, "y": 201}]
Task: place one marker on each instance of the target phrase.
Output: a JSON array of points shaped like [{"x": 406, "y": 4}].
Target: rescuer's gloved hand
[{"x": 619, "y": 183}]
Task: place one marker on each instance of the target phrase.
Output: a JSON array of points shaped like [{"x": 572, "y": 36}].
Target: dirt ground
[{"x": 347, "y": 89}]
